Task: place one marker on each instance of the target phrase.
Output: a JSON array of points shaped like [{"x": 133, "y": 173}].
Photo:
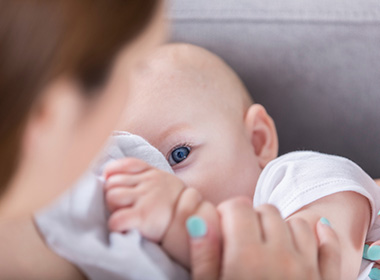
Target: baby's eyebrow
[{"x": 175, "y": 128}]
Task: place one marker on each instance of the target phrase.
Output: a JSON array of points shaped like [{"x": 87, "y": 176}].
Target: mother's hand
[
  {"x": 372, "y": 252},
  {"x": 259, "y": 244}
]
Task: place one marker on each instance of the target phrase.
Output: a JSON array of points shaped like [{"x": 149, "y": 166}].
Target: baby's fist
[{"x": 140, "y": 197}]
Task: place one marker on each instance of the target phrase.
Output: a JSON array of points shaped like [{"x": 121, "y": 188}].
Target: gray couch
[{"x": 314, "y": 64}]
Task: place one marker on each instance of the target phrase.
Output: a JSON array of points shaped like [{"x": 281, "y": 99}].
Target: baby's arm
[
  {"x": 349, "y": 214},
  {"x": 156, "y": 203},
  {"x": 371, "y": 252}
]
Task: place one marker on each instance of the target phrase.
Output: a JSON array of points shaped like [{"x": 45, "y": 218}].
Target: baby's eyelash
[{"x": 185, "y": 144}]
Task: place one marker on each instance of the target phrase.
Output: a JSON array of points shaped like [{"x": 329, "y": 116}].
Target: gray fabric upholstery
[{"x": 315, "y": 66}]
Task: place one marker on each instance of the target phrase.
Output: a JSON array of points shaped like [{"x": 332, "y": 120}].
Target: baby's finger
[
  {"x": 123, "y": 220},
  {"x": 117, "y": 198},
  {"x": 122, "y": 180},
  {"x": 304, "y": 239},
  {"x": 151, "y": 224},
  {"x": 125, "y": 165},
  {"x": 329, "y": 251}
]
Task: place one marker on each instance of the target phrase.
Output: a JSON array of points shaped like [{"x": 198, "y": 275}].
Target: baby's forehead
[
  {"x": 177, "y": 61},
  {"x": 186, "y": 71},
  {"x": 185, "y": 65}
]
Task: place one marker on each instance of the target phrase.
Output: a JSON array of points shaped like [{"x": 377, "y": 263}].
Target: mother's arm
[{"x": 24, "y": 255}]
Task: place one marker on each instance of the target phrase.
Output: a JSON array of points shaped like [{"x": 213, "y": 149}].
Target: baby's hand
[{"x": 141, "y": 197}]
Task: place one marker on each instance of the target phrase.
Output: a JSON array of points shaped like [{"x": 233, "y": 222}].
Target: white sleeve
[
  {"x": 75, "y": 226},
  {"x": 299, "y": 178}
]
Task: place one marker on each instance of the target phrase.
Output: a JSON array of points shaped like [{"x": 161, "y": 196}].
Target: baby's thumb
[
  {"x": 329, "y": 251},
  {"x": 205, "y": 249}
]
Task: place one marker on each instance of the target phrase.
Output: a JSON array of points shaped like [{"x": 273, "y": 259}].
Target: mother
[{"x": 64, "y": 68}]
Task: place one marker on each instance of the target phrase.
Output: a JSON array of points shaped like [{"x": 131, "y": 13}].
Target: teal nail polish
[
  {"x": 373, "y": 253},
  {"x": 196, "y": 227},
  {"x": 374, "y": 274},
  {"x": 325, "y": 221},
  {"x": 365, "y": 251},
  {"x": 378, "y": 213}
]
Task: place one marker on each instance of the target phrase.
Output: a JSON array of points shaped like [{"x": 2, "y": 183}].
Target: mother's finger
[
  {"x": 377, "y": 181},
  {"x": 329, "y": 251},
  {"x": 242, "y": 239},
  {"x": 304, "y": 239},
  {"x": 237, "y": 214},
  {"x": 375, "y": 272},
  {"x": 372, "y": 251},
  {"x": 274, "y": 228},
  {"x": 205, "y": 249}
]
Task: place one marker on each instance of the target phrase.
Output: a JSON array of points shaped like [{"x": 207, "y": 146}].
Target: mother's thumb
[{"x": 205, "y": 249}]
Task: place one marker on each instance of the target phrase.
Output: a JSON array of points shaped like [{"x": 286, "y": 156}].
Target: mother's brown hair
[{"x": 43, "y": 39}]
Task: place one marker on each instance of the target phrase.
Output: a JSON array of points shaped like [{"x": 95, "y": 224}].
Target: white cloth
[
  {"x": 299, "y": 178},
  {"x": 75, "y": 226}
]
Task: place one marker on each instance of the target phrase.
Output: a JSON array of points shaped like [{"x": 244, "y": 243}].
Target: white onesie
[
  {"x": 75, "y": 226},
  {"x": 299, "y": 178}
]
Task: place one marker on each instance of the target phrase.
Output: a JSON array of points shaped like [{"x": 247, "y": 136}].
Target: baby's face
[{"x": 194, "y": 122}]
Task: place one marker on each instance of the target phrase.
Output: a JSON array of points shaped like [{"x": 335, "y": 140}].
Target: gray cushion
[{"x": 315, "y": 66}]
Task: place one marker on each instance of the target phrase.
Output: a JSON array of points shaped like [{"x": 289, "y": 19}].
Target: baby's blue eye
[{"x": 178, "y": 155}]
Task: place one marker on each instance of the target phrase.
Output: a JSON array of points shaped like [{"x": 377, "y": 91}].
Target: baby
[{"x": 193, "y": 108}]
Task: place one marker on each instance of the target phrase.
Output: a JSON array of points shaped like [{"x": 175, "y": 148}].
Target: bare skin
[
  {"x": 240, "y": 227},
  {"x": 186, "y": 97},
  {"x": 376, "y": 243}
]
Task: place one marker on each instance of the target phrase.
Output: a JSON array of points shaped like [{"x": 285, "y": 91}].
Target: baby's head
[{"x": 193, "y": 108}]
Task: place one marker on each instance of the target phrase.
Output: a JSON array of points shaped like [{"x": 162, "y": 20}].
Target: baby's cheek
[
  {"x": 230, "y": 181},
  {"x": 212, "y": 185},
  {"x": 246, "y": 181},
  {"x": 226, "y": 187},
  {"x": 200, "y": 181}
]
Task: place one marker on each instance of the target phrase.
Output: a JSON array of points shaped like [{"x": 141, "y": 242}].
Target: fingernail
[
  {"x": 373, "y": 253},
  {"x": 374, "y": 274},
  {"x": 378, "y": 213},
  {"x": 324, "y": 221},
  {"x": 365, "y": 251},
  {"x": 196, "y": 227}
]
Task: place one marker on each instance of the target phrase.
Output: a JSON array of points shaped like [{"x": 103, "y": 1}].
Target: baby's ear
[{"x": 262, "y": 131}]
